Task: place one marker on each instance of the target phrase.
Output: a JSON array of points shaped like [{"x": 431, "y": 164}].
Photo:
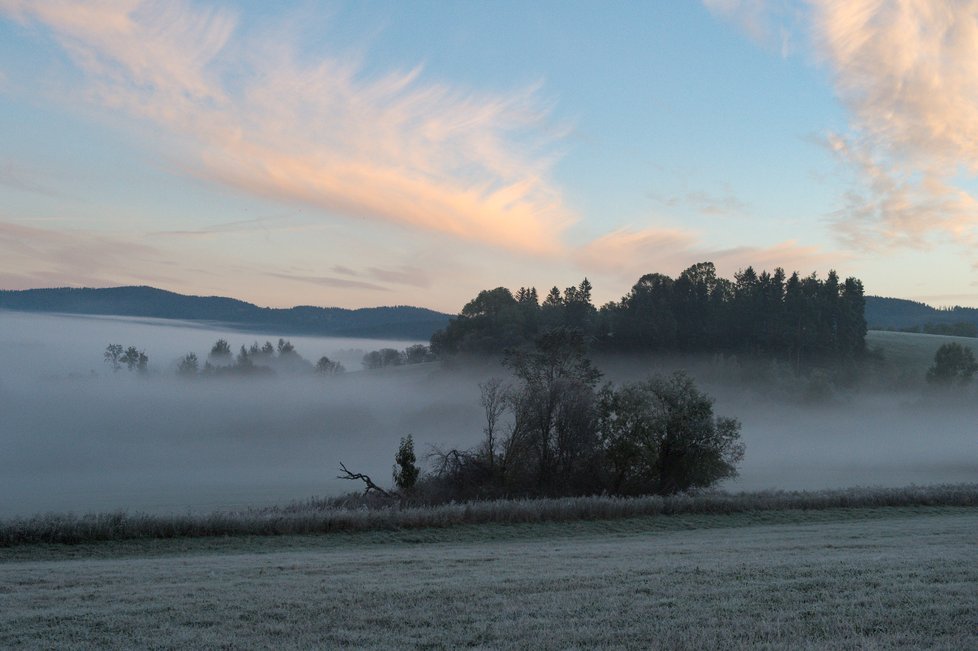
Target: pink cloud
[
  {"x": 248, "y": 114},
  {"x": 908, "y": 73}
]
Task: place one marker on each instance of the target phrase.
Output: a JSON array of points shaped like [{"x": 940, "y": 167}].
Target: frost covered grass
[
  {"x": 906, "y": 580},
  {"x": 325, "y": 516}
]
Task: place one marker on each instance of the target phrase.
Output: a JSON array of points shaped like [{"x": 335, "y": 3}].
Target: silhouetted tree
[
  {"x": 383, "y": 358},
  {"x": 134, "y": 359},
  {"x": 803, "y": 320},
  {"x": 326, "y": 366},
  {"x": 188, "y": 366},
  {"x": 113, "y": 353},
  {"x": 220, "y": 352},
  {"x": 417, "y": 354}
]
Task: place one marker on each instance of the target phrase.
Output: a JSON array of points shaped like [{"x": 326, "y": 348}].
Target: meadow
[{"x": 881, "y": 578}]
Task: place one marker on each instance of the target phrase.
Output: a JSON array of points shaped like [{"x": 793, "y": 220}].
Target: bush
[
  {"x": 661, "y": 437},
  {"x": 953, "y": 364}
]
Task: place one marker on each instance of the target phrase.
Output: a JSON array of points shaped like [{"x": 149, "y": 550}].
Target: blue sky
[{"x": 373, "y": 153}]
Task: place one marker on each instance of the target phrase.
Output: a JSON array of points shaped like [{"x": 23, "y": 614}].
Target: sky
[{"x": 357, "y": 154}]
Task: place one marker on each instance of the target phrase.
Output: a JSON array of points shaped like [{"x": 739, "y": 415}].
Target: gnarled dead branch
[{"x": 370, "y": 485}]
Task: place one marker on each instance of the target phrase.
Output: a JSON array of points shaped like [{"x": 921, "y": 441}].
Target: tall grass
[{"x": 324, "y": 516}]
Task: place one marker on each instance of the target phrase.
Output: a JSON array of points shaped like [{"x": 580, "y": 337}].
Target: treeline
[
  {"x": 257, "y": 359},
  {"x": 414, "y": 354},
  {"x": 790, "y": 317},
  {"x": 261, "y": 359},
  {"x": 268, "y": 359},
  {"x": 959, "y": 329}
]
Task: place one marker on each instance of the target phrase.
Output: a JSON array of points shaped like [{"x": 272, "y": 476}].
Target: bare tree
[{"x": 494, "y": 405}]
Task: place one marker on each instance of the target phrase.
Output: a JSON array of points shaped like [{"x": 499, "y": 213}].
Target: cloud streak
[{"x": 249, "y": 114}]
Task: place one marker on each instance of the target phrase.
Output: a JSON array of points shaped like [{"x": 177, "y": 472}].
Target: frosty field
[{"x": 839, "y": 579}]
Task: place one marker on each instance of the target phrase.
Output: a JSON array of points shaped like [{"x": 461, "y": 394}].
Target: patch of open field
[
  {"x": 870, "y": 578},
  {"x": 913, "y": 350}
]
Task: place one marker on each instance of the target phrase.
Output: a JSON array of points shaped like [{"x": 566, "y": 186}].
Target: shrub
[{"x": 953, "y": 364}]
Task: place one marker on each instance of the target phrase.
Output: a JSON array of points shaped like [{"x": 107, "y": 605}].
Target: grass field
[
  {"x": 912, "y": 350},
  {"x": 902, "y": 577}
]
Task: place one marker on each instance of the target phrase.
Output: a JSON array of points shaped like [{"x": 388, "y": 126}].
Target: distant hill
[
  {"x": 399, "y": 322},
  {"x": 899, "y": 314}
]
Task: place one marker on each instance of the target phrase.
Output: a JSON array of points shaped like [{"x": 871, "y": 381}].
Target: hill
[
  {"x": 899, "y": 314},
  {"x": 397, "y": 322},
  {"x": 911, "y": 350}
]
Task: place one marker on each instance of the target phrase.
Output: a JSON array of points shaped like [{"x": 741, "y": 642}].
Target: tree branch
[{"x": 371, "y": 486}]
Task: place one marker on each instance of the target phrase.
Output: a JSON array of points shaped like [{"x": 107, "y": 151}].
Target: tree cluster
[
  {"x": 132, "y": 358},
  {"x": 415, "y": 354},
  {"x": 789, "y": 317},
  {"x": 958, "y": 329},
  {"x": 256, "y": 359},
  {"x": 552, "y": 432}
]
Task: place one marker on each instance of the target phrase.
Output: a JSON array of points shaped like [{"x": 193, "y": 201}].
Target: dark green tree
[
  {"x": 661, "y": 436},
  {"x": 406, "y": 470},
  {"x": 953, "y": 364}
]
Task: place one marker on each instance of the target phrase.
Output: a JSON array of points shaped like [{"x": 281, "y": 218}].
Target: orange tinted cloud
[
  {"x": 249, "y": 114},
  {"x": 908, "y": 73}
]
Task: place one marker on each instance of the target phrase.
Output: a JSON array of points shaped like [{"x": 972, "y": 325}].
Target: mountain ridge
[
  {"x": 399, "y": 321},
  {"x": 885, "y": 313}
]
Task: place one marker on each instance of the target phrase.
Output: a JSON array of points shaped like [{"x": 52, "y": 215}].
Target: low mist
[{"x": 76, "y": 436}]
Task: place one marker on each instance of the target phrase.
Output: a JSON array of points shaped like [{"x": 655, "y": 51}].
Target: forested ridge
[
  {"x": 400, "y": 321},
  {"x": 798, "y": 318}
]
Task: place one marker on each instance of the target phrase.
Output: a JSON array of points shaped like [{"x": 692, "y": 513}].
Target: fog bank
[{"x": 76, "y": 436}]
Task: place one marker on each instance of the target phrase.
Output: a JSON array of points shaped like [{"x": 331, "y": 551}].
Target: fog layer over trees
[{"x": 75, "y": 435}]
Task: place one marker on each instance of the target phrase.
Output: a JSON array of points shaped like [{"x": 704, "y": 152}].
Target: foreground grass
[
  {"x": 326, "y": 516},
  {"x": 887, "y": 577}
]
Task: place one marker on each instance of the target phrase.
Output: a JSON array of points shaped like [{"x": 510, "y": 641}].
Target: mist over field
[{"x": 76, "y": 436}]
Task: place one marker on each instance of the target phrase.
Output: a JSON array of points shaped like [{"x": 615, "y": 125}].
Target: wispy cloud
[
  {"x": 704, "y": 202},
  {"x": 20, "y": 177},
  {"x": 260, "y": 224},
  {"x": 249, "y": 114},
  {"x": 403, "y": 275},
  {"x": 767, "y": 23},
  {"x": 37, "y": 257},
  {"x": 908, "y": 73},
  {"x": 331, "y": 281},
  {"x": 627, "y": 254}
]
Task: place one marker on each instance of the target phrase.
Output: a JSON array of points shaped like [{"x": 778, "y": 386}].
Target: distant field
[
  {"x": 836, "y": 579},
  {"x": 913, "y": 350}
]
